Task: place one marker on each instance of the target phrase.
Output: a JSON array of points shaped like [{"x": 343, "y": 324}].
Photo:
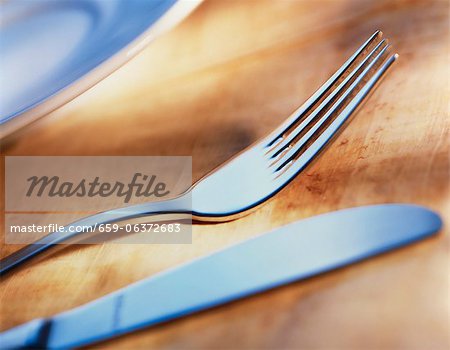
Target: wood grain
[{"x": 226, "y": 76}]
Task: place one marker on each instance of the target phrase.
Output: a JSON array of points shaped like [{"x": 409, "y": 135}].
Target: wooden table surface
[{"x": 224, "y": 77}]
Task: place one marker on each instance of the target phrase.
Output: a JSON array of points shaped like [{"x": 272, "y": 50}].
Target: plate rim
[{"x": 177, "y": 12}]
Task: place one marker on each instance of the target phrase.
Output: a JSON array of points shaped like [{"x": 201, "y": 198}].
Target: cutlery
[
  {"x": 296, "y": 251},
  {"x": 263, "y": 169}
]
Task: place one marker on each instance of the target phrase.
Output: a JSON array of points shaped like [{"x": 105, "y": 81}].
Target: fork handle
[{"x": 181, "y": 204}]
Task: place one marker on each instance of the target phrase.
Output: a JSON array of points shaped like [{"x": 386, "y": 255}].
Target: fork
[{"x": 263, "y": 169}]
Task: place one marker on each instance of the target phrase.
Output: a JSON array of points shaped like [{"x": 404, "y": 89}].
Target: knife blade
[{"x": 293, "y": 252}]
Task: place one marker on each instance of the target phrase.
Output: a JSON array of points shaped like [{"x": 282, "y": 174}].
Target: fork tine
[
  {"x": 295, "y": 149},
  {"x": 322, "y": 90},
  {"x": 281, "y": 146},
  {"x": 298, "y": 164}
]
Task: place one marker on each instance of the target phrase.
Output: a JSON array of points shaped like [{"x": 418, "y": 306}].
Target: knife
[{"x": 290, "y": 253}]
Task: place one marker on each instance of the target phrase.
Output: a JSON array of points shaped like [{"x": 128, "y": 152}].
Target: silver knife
[{"x": 290, "y": 253}]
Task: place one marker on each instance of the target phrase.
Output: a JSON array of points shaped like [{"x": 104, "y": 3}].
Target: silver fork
[{"x": 259, "y": 172}]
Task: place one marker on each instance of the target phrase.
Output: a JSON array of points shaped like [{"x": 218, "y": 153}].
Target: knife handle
[
  {"x": 27, "y": 335},
  {"x": 95, "y": 320}
]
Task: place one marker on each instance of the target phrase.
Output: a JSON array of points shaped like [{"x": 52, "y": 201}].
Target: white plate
[{"x": 48, "y": 47}]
